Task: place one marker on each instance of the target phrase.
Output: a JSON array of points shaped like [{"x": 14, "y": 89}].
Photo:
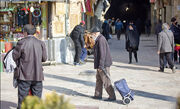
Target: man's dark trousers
[
  {"x": 78, "y": 50},
  {"x": 168, "y": 58},
  {"x": 25, "y": 86}
]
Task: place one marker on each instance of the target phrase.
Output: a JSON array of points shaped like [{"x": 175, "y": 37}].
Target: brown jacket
[
  {"x": 29, "y": 54},
  {"x": 102, "y": 56}
]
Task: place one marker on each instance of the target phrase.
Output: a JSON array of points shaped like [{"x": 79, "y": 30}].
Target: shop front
[
  {"x": 53, "y": 19},
  {"x": 14, "y": 15}
]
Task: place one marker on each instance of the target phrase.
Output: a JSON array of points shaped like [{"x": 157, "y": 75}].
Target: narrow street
[{"x": 153, "y": 89}]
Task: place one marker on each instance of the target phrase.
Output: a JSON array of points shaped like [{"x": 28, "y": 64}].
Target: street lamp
[{"x": 127, "y": 8}]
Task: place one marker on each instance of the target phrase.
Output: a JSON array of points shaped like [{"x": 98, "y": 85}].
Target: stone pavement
[{"x": 153, "y": 90}]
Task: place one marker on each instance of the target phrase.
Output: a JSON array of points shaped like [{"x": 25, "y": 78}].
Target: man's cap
[
  {"x": 173, "y": 19},
  {"x": 95, "y": 29},
  {"x": 82, "y": 22}
]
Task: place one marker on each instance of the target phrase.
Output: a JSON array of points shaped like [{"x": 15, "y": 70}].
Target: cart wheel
[{"x": 126, "y": 100}]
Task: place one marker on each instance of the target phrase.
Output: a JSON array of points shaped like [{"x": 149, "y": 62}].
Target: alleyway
[{"x": 153, "y": 90}]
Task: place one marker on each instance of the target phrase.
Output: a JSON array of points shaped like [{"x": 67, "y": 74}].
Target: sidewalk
[{"x": 153, "y": 90}]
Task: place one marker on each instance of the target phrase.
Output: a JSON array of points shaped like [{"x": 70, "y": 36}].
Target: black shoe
[
  {"x": 110, "y": 99},
  {"x": 96, "y": 97},
  {"x": 160, "y": 70},
  {"x": 130, "y": 62}
]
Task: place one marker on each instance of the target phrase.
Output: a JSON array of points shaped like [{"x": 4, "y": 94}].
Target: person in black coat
[
  {"x": 175, "y": 28},
  {"x": 77, "y": 35},
  {"x": 132, "y": 41},
  {"x": 106, "y": 29}
]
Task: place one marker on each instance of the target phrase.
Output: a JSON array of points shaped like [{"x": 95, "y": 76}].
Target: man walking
[
  {"x": 165, "y": 47},
  {"x": 119, "y": 26},
  {"x": 77, "y": 36},
  {"x": 102, "y": 62},
  {"x": 29, "y": 54}
]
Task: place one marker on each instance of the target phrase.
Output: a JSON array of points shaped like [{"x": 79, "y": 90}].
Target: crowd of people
[{"x": 30, "y": 52}]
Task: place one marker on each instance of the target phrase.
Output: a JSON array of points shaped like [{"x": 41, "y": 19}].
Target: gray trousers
[
  {"x": 25, "y": 86},
  {"x": 103, "y": 80}
]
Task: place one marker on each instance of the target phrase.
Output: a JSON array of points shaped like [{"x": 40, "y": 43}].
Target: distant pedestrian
[
  {"x": 113, "y": 25},
  {"x": 106, "y": 30},
  {"x": 29, "y": 54},
  {"x": 148, "y": 27},
  {"x": 119, "y": 27},
  {"x": 102, "y": 62},
  {"x": 166, "y": 47},
  {"x": 77, "y": 36},
  {"x": 138, "y": 24},
  {"x": 132, "y": 41},
  {"x": 158, "y": 28},
  {"x": 175, "y": 28}
]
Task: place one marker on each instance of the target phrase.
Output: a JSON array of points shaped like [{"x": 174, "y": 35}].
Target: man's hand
[{"x": 158, "y": 52}]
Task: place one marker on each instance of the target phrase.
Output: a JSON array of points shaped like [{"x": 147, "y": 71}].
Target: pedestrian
[
  {"x": 77, "y": 36},
  {"x": 175, "y": 28},
  {"x": 113, "y": 26},
  {"x": 29, "y": 54},
  {"x": 166, "y": 47},
  {"x": 138, "y": 24},
  {"x": 106, "y": 30},
  {"x": 158, "y": 28},
  {"x": 102, "y": 62},
  {"x": 148, "y": 26},
  {"x": 119, "y": 26},
  {"x": 132, "y": 41}
]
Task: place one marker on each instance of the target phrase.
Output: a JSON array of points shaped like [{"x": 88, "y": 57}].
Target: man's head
[
  {"x": 29, "y": 30},
  {"x": 174, "y": 21},
  {"x": 95, "y": 32},
  {"x": 165, "y": 26},
  {"x": 82, "y": 23}
]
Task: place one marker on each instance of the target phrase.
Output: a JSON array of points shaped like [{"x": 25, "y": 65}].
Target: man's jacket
[
  {"x": 176, "y": 32},
  {"x": 102, "y": 56},
  {"x": 165, "y": 41},
  {"x": 77, "y": 36},
  {"x": 29, "y": 54}
]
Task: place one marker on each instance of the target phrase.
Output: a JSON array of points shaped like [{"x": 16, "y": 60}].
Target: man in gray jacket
[
  {"x": 102, "y": 62},
  {"x": 166, "y": 47},
  {"x": 29, "y": 54}
]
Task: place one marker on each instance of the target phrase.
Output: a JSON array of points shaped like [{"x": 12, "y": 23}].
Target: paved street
[{"x": 153, "y": 90}]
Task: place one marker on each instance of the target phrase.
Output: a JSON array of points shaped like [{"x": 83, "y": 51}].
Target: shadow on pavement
[
  {"x": 89, "y": 83},
  {"x": 135, "y": 68},
  {"x": 66, "y": 91},
  {"x": 154, "y": 96},
  {"x": 7, "y": 105}
]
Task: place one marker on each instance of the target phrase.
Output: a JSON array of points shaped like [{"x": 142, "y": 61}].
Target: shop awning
[{"x": 34, "y": 0}]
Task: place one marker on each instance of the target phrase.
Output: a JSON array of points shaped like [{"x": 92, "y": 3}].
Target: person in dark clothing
[
  {"x": 77, "y": 36},
  {"x": 175, "y": 28},
  {"x": 166, "y": 47},
  {"x": 158, "y": 28},
  {"x": 119, "y": 26},
  {"x": 106, "y": 30},
  {"x": 138, "y": 24},
  {"x": 148, "y": 27},
  {"x": 132, "y": 41},
  {"x": 29, "y": 54},
  {"x": 102, "y": 62}
]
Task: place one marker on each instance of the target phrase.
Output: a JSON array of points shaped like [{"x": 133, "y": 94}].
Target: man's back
[{"x": 29, "y": 55}]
